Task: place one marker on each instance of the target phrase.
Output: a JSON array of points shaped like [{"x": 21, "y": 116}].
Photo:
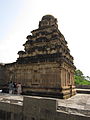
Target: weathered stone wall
[
  {"x": 40, "y": 75},
  {"x": 9, "y": 111},
  {"x": 44, "y": 78},
  {"x": 3, "y": 76},
  {"x": 34, "y": 108}
]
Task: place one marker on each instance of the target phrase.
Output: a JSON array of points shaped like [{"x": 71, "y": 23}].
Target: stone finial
[{"x": 48, "y": 20}]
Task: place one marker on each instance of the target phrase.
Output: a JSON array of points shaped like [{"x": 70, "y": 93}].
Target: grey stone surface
[
  {"x": 14, "y": 107},
  {"x": 78, "y": 104},
  {"x": 37, "y": 107},
  {"x": 12, "y": 99}
]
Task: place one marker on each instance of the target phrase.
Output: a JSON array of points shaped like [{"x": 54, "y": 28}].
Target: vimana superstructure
[{"x": 45, "y": 67}]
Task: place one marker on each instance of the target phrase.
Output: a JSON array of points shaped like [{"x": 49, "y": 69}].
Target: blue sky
[{"x": 19, "y": 17}]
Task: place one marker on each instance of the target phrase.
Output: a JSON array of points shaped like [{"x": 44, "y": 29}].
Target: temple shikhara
[{"x": 45, "y": 67}]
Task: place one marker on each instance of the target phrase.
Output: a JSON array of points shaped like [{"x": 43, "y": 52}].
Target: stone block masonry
[
  {"x": 42, "y": 108},
  {"x": 45, "y": 67}
]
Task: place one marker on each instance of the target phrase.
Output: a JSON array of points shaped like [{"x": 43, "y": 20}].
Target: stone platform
[
  {"x": 78, "y": 104},
  {"x": 85, "y": 91},
  {"x": 33, "y": 107}
]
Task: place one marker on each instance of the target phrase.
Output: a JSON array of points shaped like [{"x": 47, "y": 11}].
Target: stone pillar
[
  {"x": 71, "y": 78},
  {"x": 61, "y": 76},
  {"x": 66, "y": 77}
]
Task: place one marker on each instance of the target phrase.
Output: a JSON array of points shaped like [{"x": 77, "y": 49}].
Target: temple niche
[{"x": 45, "y": 67}]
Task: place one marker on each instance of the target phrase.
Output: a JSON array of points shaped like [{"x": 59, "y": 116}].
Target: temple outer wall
[
  {"x": 53, "y": 78},
  {"x": 3, "y": 75},
  {"x": 34, "y": 108}
]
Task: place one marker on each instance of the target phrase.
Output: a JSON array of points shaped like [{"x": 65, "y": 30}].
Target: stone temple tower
[{"x": 45, "y": 67}]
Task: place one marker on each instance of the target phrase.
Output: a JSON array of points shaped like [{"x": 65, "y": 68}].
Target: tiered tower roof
[{"x": 46, "y": 44}]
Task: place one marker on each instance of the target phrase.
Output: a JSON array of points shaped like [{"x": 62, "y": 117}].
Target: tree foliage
[{"x": 80, "y": 79}]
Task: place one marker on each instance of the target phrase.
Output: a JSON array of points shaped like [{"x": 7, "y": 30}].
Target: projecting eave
[{"x": 21, "y": 52}]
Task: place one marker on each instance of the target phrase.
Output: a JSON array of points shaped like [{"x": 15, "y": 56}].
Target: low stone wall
[
  {"x": 10, "y": 111},
  {"x": 36, "y": 108},
  {"x": 83, "y": 86},
  {"x": 46, "y": 109}
]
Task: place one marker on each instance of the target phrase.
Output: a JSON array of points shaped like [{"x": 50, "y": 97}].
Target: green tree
[
  {"x": 79, "y": 73},
  {"x": 80, "y": 79}
]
